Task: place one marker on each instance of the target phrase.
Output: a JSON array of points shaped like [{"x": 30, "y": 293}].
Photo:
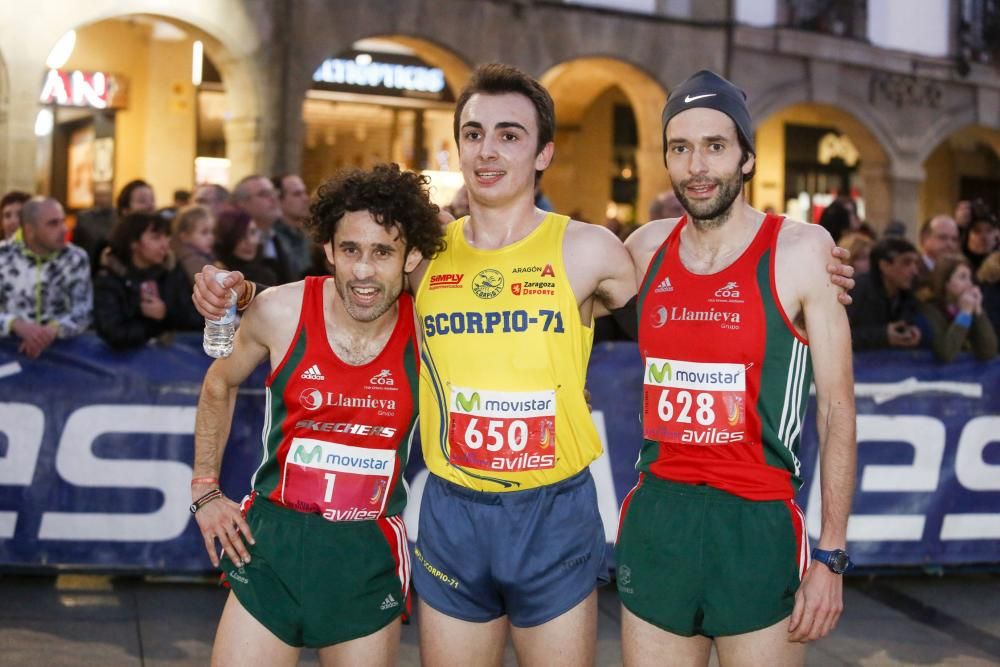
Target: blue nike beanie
[{"x": 708, "y": 90}]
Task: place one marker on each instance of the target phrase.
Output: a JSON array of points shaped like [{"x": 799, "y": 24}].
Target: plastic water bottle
[{"x": 218, "y": 340}]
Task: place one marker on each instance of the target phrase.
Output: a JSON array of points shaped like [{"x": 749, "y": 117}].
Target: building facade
[{"x": 896, "y": 102}]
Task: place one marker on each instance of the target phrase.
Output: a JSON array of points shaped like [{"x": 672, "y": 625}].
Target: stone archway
[
  {"x": 768, "y": 186},
  {"x": 970, "y": 153},
  {"x": 576, "y": 86},
  {"x": 230, "y": 35}
]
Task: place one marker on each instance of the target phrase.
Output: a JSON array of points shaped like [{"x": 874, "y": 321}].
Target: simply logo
[
  {"x": 307, "y": 457},
  {"x": 657, "y": 375},
  {"x": 313, "y": 373},
  {"x": 728, "y": 291},
  {"x": 487, "y": 284},
  {"x": 471, "y": 404},
  {"x": 625, "y": 575},
  {"x": 446, "y": 280},
  {"x": 311, "y": 399},
  {"x": 664, "y": 286},
  {"x": 383, "y": 377},
  {"x": 388, "y": 603}
]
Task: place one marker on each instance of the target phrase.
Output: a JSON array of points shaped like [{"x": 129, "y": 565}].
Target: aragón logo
[
  {"x": 487, "y": 283},
  {"x": 311, "y": 399}
]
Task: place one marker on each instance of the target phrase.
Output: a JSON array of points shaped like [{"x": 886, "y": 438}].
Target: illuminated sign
[
  {"x": 96, "y": 90},
  {"x": 389, "y": 74}
]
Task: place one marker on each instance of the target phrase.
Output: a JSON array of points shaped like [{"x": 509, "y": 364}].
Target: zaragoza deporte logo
[{"x": 487, "y": 283}]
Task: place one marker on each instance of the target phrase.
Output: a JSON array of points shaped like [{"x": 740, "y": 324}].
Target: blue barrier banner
[{"x": 96, "y": 449}]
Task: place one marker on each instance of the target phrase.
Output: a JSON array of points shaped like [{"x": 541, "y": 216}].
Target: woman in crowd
[
  {"x": 860, "y": 246},
  {"x": 237, "y": 246},
  {"x": 192, "y": 239},
  {"x": 989, "y": 280},
  {"x": 953, "y": 318},
  {"x": 10, "y": 213},
  {"x": 982, "y": 238},
  {"x": 136, "y": 197},
  {"x": 139, "y": 292}
]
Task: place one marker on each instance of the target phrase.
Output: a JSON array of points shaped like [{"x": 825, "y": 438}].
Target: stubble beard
[
  {"x": 373, "y": 312},
  {"x": 711, "y": 214}
]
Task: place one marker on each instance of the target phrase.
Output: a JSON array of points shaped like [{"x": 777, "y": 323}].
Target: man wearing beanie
[{"x": 737, "y": 316}]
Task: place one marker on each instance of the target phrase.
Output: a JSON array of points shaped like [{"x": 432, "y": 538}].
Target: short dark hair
[
  {"x": 14, "y": 197},
  {"x": 130, "y": 229},
  {"x": 888, "y": 249},
  {"x": 394, "y": 198},
  {"x": 125, "y": 196},
  {"x": 499, "y": 79}
]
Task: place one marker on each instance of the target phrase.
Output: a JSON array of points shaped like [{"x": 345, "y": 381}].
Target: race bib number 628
[{"x": 693, "y": 402}]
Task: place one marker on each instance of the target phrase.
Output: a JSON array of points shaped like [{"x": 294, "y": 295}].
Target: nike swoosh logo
[{"x": 688, "y": 99}]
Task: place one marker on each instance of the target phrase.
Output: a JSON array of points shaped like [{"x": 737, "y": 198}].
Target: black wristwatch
[{"x": 837, "y": 560}]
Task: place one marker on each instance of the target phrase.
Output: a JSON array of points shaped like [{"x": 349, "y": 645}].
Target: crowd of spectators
[
  {"x": 943, "y": 295},
  {"x": 127, "y": 268}
]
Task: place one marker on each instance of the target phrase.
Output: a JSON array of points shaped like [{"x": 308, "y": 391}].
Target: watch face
[{"x": 839, "y": 562}]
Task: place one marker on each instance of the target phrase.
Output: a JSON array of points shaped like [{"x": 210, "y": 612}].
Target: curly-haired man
[{"x": 318, "y": 555}]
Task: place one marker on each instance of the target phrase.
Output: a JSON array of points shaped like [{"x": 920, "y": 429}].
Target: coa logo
[
  {"x": 487, "y": 283},
  {"x": 383, "y": 377},
  {"x": 728, "y": 291},
  {"x": 311, "y": 399}
]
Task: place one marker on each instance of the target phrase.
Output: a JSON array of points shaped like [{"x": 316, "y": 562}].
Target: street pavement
[{"x": 75, "y": 620}]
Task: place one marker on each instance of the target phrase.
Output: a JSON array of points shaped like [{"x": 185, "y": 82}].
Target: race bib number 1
[
  {"x": 340, "y": 482},
  {"x": 502, "y": 431},
  {"x": 694, "y": 403}
]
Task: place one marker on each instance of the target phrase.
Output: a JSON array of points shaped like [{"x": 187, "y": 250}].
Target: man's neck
[
  {"x": 494, "y": 227},
  {"x": 38, "y": 250},
  {"x": 265, "y": 226},
  {"x": 354, "y": 341},
  {"x": 718, "y": 246}
]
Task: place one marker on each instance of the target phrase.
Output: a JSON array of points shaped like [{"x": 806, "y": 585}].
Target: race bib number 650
[
  {"x": 694, "y": 403},
  {"x": 502, "y": 431}
]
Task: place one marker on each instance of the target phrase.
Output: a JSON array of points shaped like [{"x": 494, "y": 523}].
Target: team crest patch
[{"x": 487, "y": 284}]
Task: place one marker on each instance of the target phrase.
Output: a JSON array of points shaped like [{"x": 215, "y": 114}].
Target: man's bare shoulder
[
  {"x": 804, "y": 240},
  {"x": 275, "y": 309},
  {"x": 650, "y": 236},
  {"x": 584, "y": 235}
]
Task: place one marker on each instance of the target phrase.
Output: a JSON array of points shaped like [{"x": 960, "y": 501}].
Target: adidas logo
[
  {"x": 664, "y": 286},
  {"x": 388, "y": 603},
  {"x": 313, "y": 373}
]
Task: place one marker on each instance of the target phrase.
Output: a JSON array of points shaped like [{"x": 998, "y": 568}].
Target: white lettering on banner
[
  {"x": 24, "y": 425},
  {"x": 607, "y": 500},
  {"x": 927, "y": 437},
  {"x": 77, "y": 464},
  {"x": 974, "y": 473}
]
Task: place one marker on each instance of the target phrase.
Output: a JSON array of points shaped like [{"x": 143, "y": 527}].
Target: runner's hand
[
  {"x": 210, "y": 298},
  {"x": 818, "y": 604},
  {"x": 842, "y": 274},
  {"x": 222, "y": 520}
]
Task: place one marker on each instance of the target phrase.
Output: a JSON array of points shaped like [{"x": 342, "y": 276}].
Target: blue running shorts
[{"x": 531, "y": 555}]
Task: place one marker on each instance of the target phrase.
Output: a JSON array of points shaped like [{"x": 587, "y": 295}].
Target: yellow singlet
[{"x": 503, "y": 364}]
